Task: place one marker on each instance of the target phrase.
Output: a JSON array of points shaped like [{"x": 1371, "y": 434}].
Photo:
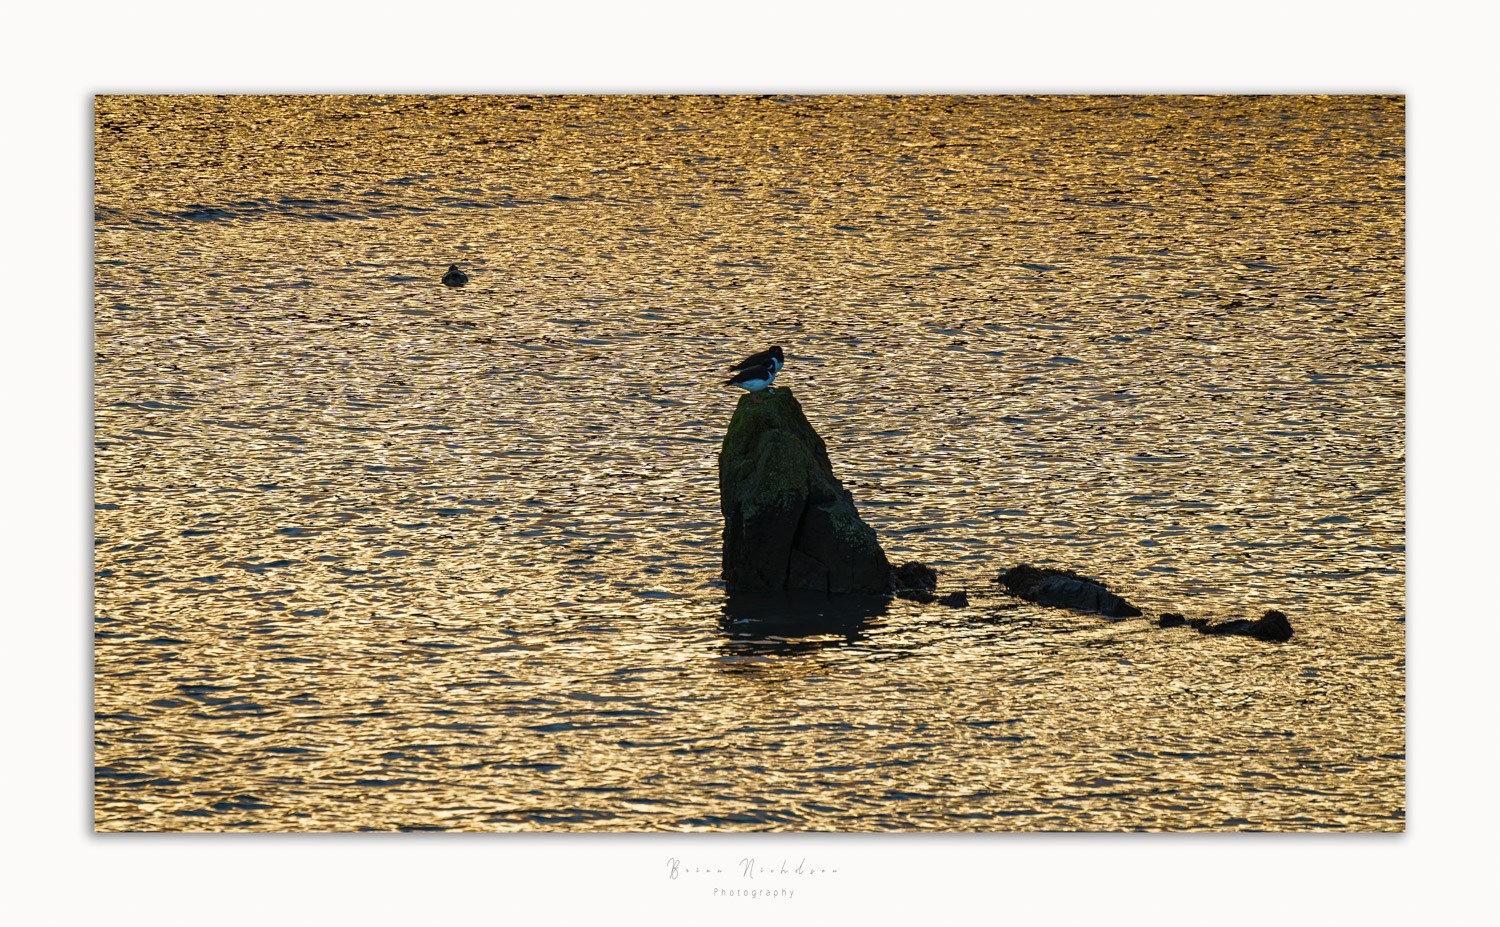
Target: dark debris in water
[
  {"x": 1273, "y": 626},
  {"x": 915, "y": 581},
  {"x": 1066, "y": 589}
]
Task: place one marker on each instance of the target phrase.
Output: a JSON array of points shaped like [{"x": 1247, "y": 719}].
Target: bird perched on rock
[
  {"x": 455, "y": 277},
  {"x": 754, "y": 379},
  {"x": 758, "y": 371},
  {"x": 771, "y": 357}
]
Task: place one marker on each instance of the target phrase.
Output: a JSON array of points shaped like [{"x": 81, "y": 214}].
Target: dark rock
[
  {"x": 915, "y": 581},
  {"x": 915, "y": 575},
  {"x": 1233, "y": 626},
  {"x": 1272, "y": 626},
  {"x": 959, "y": 599},
  {"x": 1065, "y": 589},
  {"x": 1171, "y": 620},
  {"x": 788, "y": 522}
]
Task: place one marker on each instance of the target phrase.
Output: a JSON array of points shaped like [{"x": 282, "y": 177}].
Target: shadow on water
[{"x": 798, "y": 620}]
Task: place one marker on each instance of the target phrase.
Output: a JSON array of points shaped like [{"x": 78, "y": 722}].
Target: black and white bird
[
  {"x": 754, "y": 379},
  {"x": 758, "y": 371},
  {"x": 771, "y": 357},
  {"x": 455, "y": 277}
]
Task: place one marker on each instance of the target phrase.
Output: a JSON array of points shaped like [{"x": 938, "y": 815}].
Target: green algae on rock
[{"x": 788, "y": 521}]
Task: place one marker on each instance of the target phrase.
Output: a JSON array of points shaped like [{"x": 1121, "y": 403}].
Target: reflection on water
[
  {"x": 779, "y": 616},
  {"x": 377, "y": 553}
]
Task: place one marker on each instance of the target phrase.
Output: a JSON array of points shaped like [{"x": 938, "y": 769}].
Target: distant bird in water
[
  {"x": 455, "y": 277},
  {"x": 758, "y": 371}
]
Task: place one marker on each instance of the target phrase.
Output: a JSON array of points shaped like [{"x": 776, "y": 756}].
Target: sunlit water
[{"x": 376, "y": 554}]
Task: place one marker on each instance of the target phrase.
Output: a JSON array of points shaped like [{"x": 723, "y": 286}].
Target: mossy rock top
[{"x": 780, "y": 411}]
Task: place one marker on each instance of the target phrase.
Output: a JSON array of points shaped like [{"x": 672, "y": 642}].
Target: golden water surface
[{"x": 377, "y": 554}]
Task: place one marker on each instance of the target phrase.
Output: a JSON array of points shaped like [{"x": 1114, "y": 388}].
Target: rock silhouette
[
  {"x": 788, "y": 521},
  {"x": 915, "y": 581},
  {"x": 1273, "y": 626},
  {"x": 1064, "y": 589}
]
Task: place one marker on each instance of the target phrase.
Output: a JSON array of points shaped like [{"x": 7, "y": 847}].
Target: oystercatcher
[
  {"x": 771, "y": 357},
  {"x": 754, "y": 379}
]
